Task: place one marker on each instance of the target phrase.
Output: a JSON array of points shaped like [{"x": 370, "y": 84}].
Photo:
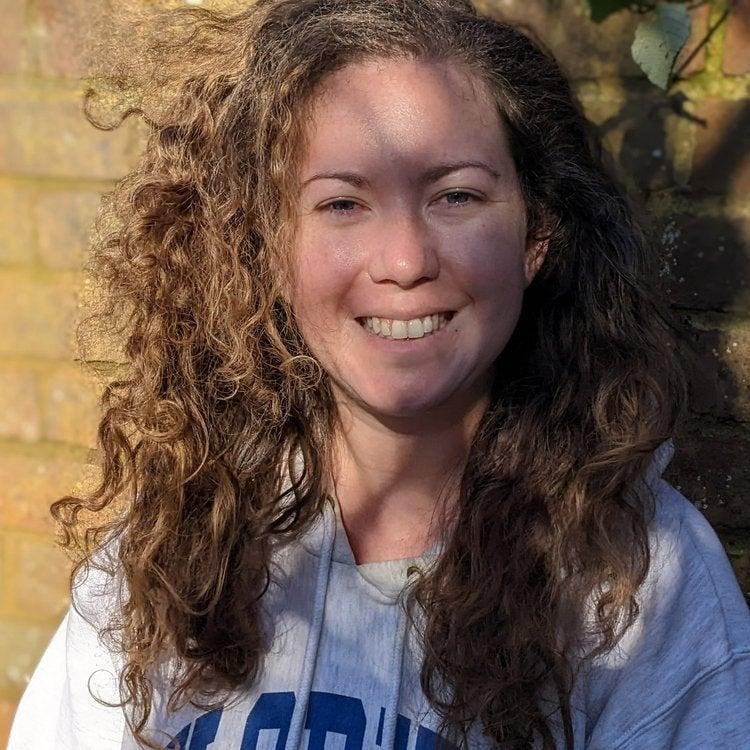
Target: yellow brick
[
  {"x": 19, "y": 404},
  {"x": 101, "y": 343},
  {"x": 52, "y": 138},
  {"x": 62, "y": 36},
  {"x": 16, "y": 230},
  {"x": 63, "y": 221},
  {"x": 14, "y": 55},
  {"x": 37, "y": 571},
  {"x": 71, "y": 412},
  {"x": 37, "y": 316},
  {"x": 28, "y": 486},
  {"x": 7, "y": 711},
  {"x": 104, "y": 347},
  {"x": 67, "y": 33},
  {"x": 6, "y": 575},
  {"x": 21, "y": 646}
]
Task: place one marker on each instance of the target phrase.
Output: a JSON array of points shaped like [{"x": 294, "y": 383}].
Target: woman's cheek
[{"x": 490, "y": 260}]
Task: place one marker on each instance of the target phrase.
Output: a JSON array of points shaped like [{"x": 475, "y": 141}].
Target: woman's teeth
[{"x": 415, "y": 328}]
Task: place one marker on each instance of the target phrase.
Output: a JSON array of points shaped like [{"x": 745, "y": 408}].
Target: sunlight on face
[{"x": 409, "y": 207}]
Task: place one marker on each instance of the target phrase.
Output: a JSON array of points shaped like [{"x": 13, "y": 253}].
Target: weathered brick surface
[
  {"x": 67, "y": 33},
  {"x": 13, "y": 43},
  {"x": 708, "y": 259},
  {"x": 643, "y": 159},
  {"x": 70, "y": 398},
  {"x": 719, "y": 366},
  {"x": 587, "y": 49},
  {"x": 20, "y": 416},
  {"x": 63, "y": 220},
  {"x": 39, "y": 574},
  {"x": 721, "y": 161},
  {"x": 100, "y": 342},
  {"x": 711, "y": 469},
  {"x": 37, "y": 316},
  {"x": 583, "y": 48},
  {"x": 51, "y": 138},
  {"x": 643, "y": 130},
  {"x": 16, "y": 224},
  {"x": 7, "y": 711},
  {"x": 61, "y": 35},
  {"x": 737, "y": 40},
  {"x": 21, "y": 646},
  {"x": 29, "y": 483},
  {"x": 105, "y": 347}
]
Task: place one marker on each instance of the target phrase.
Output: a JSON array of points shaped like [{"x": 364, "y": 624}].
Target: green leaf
[
  {"x": 658, "y": 42},
  {"x": 600, "y": 9}
]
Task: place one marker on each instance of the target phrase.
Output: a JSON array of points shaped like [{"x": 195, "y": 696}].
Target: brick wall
[
  {"x": 53, "y": 168},
  {"x": 684, "y": 154}
]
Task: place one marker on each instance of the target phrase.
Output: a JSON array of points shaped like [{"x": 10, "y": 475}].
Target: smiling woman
[
  {"x": 386, "y": 468},
  {"x": 377, "y": 239}
]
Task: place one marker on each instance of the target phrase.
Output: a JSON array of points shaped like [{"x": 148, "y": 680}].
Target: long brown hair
[{"x": 221, "y": 392}]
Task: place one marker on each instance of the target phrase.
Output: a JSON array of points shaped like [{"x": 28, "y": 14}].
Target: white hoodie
[{"x": 343, "y": 671}]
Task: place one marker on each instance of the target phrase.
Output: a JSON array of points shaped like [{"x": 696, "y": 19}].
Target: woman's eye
[
  {"x": 341, "y": 206},
  {"x": 458, "y": 197}
]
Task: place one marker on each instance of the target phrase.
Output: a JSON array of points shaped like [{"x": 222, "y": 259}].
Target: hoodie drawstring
[
  {"x": 391, "y": 711},
  {"x": 316, "y": 626}
]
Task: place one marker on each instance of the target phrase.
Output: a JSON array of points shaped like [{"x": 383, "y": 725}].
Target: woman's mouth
[{"x": 415, "y": 328}]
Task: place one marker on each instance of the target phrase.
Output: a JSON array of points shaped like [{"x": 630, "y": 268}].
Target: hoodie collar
[{"x": 388, "y": 577}]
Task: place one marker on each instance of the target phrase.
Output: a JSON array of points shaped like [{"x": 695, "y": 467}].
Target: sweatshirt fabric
[{"x": 343, "y": 669}]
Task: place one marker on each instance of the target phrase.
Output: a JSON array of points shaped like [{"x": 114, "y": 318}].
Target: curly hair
[{"x": 198, "y": 438}]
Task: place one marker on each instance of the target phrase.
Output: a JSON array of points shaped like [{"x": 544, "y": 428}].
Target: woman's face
[{"x": 410, "y": 213}]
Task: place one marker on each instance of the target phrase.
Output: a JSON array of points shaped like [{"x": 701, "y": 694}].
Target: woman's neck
[{"x": 390, "y": 477}]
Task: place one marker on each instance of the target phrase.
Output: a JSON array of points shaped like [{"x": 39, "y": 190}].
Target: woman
[{"x": 401, "y": 392}]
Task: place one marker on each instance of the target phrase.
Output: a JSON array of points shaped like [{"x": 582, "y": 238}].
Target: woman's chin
[{"x": 398, "y": 405}]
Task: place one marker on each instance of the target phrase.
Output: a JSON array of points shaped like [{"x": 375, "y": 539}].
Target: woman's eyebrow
[
  {"x": 440, "y": 170},
  {"x": 431, "y": 175},
  {"x": 352, "y": 177}
]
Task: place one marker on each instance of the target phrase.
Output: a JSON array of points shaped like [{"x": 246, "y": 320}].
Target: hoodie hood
[
  {"x": 661, "y": 459},
  {"x": 327, "y": 541}
]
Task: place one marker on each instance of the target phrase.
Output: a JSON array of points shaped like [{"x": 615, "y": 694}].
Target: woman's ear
[{"x": 536, "y": 251}]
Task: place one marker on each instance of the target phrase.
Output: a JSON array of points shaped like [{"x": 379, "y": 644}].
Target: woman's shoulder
[
  {"x": 690, "y": 576},
  {"x": 693, "y": 614},
  {"x": 685, "y": 661},
  {"x": 61, "y": 705}
]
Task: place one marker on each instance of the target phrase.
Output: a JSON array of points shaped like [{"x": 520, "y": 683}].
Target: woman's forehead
[
  {"x": 402, "y": 110},
  {"x": 451, "y": 73}
]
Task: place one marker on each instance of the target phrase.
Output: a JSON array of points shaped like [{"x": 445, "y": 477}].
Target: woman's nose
[{"x": 405, "y": 252}]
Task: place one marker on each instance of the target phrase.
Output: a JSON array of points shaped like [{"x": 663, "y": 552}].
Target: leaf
[
  {"x": 658, "y": 42},
  {"x": 600, "y": 9}
]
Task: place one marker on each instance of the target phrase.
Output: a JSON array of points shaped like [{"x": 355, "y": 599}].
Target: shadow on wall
[
  {"x": 684, "y": 158},
  {"x": 704, "y": 239},
  {"x": 701, "y": 222}
]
